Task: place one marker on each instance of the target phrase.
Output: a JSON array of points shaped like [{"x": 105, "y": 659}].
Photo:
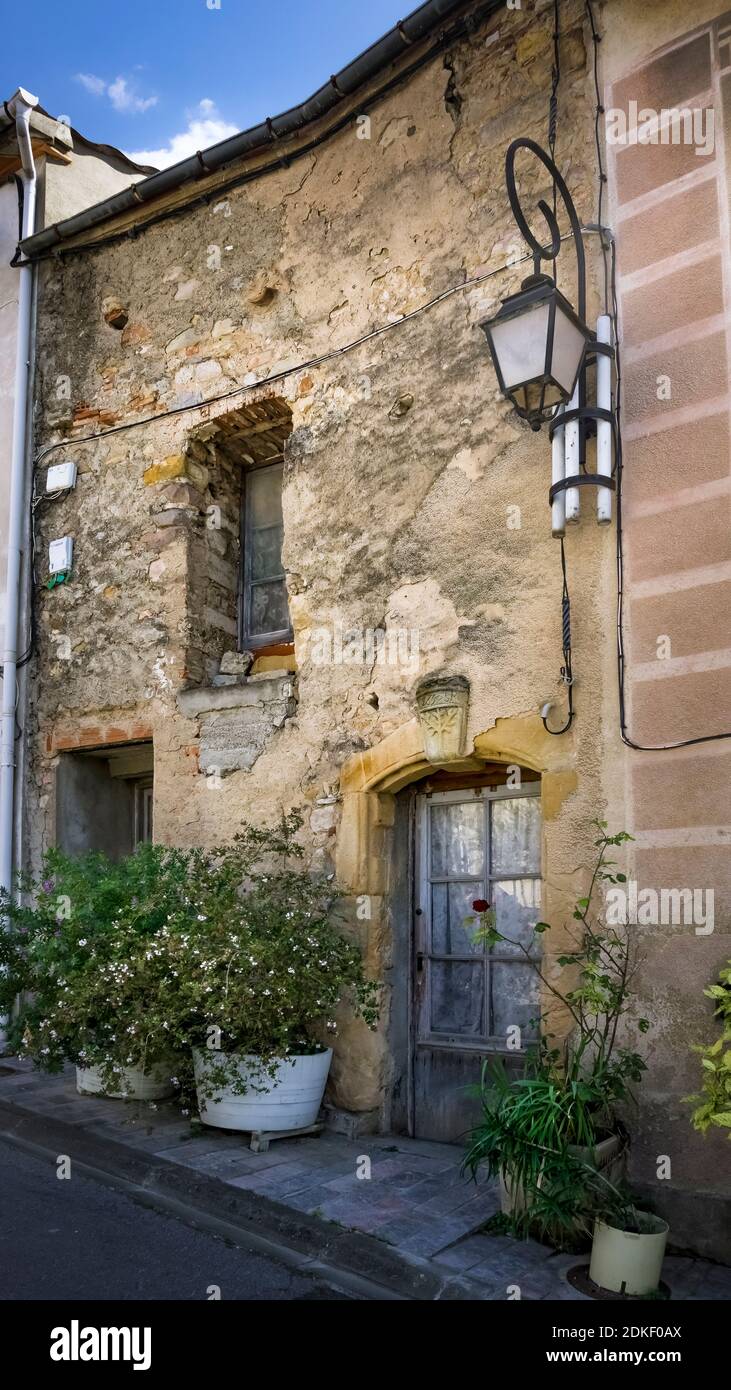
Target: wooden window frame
[{"x": 143, "y": 810}]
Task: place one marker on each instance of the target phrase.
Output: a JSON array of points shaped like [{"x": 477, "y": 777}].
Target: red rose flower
[{"x": 480, "y": 905}]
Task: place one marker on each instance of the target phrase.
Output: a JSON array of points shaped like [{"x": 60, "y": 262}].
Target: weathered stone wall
[
  {"x": 392, "y": 519},
  {"x": 413, "y": 499}
]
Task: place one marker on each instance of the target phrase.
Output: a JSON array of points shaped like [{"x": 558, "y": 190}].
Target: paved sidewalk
[{"x": 414, "y": 1199}]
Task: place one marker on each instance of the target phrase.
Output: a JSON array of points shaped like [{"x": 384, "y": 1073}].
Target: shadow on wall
[{"x": 104, "y": 799}]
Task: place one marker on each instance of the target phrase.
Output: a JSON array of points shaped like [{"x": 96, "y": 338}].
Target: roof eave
[{"x": 388, "y": 50}]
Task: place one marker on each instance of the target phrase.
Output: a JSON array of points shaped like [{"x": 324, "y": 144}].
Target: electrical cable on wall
[
  {"x": 611, "y": 308},
  {"x": 246, "y": 389},
  {"x": 566, "y": 671}
]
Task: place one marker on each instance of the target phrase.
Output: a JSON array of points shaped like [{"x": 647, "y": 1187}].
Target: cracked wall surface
[{"x": 414, "y": 502}]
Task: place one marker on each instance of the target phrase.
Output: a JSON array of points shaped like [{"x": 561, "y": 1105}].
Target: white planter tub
[
  {"x": 628, "y": 1262},
  {"x": 292, "y": 1099},
  {"x": 134, "y": 1083}
]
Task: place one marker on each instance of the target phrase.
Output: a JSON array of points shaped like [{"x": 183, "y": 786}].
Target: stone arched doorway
[{"x": 384, "y": 791}]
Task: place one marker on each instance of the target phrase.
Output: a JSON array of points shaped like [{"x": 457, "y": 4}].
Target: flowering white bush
[{"x": 233, "y": 949}]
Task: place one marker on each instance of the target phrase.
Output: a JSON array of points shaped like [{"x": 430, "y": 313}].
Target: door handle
[{"x": 420, "y": 958}]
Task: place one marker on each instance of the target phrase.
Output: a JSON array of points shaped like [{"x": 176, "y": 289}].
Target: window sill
[
  {"x": 258, "y": 688},
  {"x": 265, "y": 663}
]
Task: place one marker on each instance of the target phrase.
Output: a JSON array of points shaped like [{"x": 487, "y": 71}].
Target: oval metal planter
[
  {"x": 292, "y": 1098},
  {"x": 134, "y": 1084}
]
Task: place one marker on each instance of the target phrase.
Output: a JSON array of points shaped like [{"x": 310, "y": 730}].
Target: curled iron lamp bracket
[
  {"x": 569, "y": 721},
  {"x": 550, "y": 251}
]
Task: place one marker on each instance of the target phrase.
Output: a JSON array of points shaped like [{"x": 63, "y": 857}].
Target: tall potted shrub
[
  {"x": 553, "y": 1136},
  {"x": 83, "y": 951},
  {"x": 261, "y": 970}
]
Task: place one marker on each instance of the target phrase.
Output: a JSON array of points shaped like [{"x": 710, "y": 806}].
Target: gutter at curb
[{"x": 356, "y": 1263}]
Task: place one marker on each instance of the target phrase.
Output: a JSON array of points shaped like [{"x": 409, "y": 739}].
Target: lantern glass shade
[{"x": 537, "y": 344}]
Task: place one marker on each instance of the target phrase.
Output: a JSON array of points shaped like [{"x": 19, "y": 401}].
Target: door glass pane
[
  {"x": 451, "y": 933},
  {"x": 457, "y": 991},
  {"x": 514, "y": 1000},
  {"x": 264, "y": 495},
  {"x": 516, "y": 835},
  {"x": 517, "y": 906},
  {"x": 269, "y": 611},
  {"x": 457, "y": 839}
]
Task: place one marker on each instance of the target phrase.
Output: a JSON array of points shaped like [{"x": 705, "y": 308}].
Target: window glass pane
[
  {"x": 266, "y": 605},
  {"x": 456, "y": 997},
  {"x": 269, "y": 611},
  {"x": 264, "y": 495},
  {"x": 451, "y": 904},
  {"x": 266, "y": 552},
  {"x": 517, "y": 907},
  {"x": 515, "y": 1000},
  {"x": 516, "y": 835},
  {"x": 457, "y": 839}
]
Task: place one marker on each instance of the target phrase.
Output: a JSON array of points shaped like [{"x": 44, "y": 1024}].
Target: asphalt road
[{"x": 78, "y": 1239}]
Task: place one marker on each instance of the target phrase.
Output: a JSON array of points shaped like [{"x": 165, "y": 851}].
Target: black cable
[
  {"x": 566, "y": 670},
  {"x": 566, "y": 675},
  {"x": 286, "y": 372},
  {"x": 240, "y": 390},
  {"x": 599, "y": 112},
  {"x": 611, "y": 307},
  {"x": 553, "y": 102}
]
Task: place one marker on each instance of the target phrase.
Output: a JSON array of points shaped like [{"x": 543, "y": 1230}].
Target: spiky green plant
[{"x": 532, "y": 1126}]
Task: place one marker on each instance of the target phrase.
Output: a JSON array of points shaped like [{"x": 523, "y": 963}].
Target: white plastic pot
[
  {"x": 133, "y": 1083},
  {"x": 628, "y": 1262},
  {"x": 291, "y": 1100}
]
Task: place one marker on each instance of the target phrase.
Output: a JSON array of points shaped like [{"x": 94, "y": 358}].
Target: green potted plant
[
  {"x": 83, "y": 968},
  {"x": 552, "y": 1135},
  {"x": 713, "y": 1102},
  {"x": 260, "y": 969}
]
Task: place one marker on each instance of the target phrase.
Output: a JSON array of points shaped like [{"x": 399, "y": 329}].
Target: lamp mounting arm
[{"x": 550, "y": 251}]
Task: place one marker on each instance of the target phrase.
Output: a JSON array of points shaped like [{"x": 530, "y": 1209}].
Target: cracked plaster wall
[{"x": 397, "y": 513}]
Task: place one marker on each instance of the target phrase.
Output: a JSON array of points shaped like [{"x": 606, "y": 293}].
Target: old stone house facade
[{"x": 260, "y": 472}]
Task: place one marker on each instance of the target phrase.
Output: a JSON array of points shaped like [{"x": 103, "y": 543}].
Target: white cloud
[
  {"x": 96, "y": 85},
  {"x": 121, "y": 96},
  {"x": 123, "y": 99},
  {"x": 205, "y": 127}
]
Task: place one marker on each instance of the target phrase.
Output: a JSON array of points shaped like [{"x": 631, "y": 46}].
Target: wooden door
[{"x": 482, "y": 843}]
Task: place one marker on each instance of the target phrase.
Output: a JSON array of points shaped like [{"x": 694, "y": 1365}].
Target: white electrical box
[
  {"x": 61, "y": 476},
  {"x": 60, "y": 555}
]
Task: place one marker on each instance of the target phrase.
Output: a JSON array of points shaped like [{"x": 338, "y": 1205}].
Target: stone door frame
[{"x": 365, "y": 868}]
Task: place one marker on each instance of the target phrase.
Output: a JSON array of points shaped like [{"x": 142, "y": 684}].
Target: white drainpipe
[{"x": 20, "y": 107}]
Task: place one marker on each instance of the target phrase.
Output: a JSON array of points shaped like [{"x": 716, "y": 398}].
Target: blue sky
[{"x": 162, "y": 78}]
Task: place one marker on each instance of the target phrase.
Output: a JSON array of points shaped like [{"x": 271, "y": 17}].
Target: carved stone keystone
[{"x": 442, "y": 703}]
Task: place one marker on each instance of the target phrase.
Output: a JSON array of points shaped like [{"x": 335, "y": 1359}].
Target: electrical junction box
[
  {"x": 60, "y": 555},
  {"x": 61, "y": 476}
]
